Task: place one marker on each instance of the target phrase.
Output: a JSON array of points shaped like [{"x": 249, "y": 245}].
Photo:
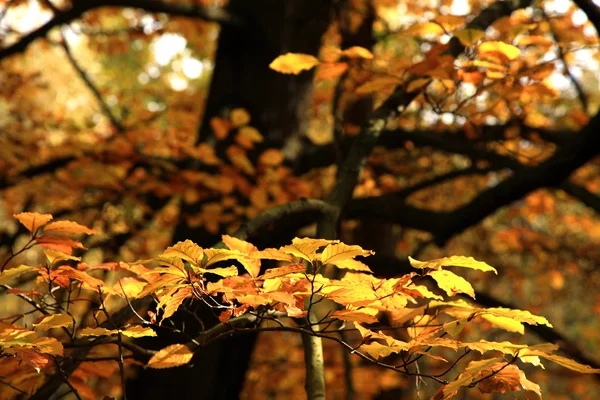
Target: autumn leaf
[
  {"x": 453, "y": 261},
  {"x": 9, "y": 274},
  {"x": 357, "y": 52},
  {"x": 339, "y": 252},
  {"x": 138, "y": 331},
  {"x": 293, "y": 63},
  {"x": 53, "y": 321},
  {"x": 62, "y": 244},
  {"x": 469, "y": 37},
  {"x": 67, "y": 227},
  {"x": 364, "y": 315},
  {"x": 186, "y": 250},
  {"x": 417, "y": 84},
  {"x": 509, "y": 51},
  {"x": 97, "y": 332},
  {"x": 281, "y": 271},
  {"x": 452, "y": 283},
  {"x": 171, "y": 356},
  {"x": 425, "y": 28},
  {"x": 239, "y": 117},
  {"x": 55, "y": 256},
  {"x": 305, "y": 248},
  {"x": 32, "y": 221},
  {"x": 271, "y": 157}
]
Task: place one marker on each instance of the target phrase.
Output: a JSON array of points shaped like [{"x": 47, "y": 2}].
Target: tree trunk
[{"x": 278, "y": 105}]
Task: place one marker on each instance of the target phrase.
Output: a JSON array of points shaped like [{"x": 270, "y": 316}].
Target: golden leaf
[
  {"x": 187, "y": 250},
  {"x": 68, "y": 227},
  {"x": 8, "y": 274},
  {"x": 171, "y": 356},
  {"x": 54, "y": 256},
  {"x": 452, "y": 283},
  {"x": 271, "y": 157},
  {"x": 32, "y": 221},
  {"x": 417, "y": 84},
  {"x": 339, "y": 251},
  {"x": 294, "y": 63},
  {"x": 357, "y": 52},
  {"x": 469, "y": 37},
  {"x": 453, "y": 261},
  {"x": 509, "y": 51},
  {"x": 53, "y": 321},
  {"x": 305, "y": 248},
  {"x": 425, "y": 28},
  {"x": 365, "y": 315},
  {"x": 138, "y": 331},
  {"x": 239, "y": 117},
  {"x": 98, "y": 332}
]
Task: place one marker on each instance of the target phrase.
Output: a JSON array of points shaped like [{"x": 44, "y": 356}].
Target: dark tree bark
[{"x": 279, "y": 106}]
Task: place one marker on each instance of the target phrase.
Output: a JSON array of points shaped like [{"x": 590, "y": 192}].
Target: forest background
[{"x": 158, "y": 121}]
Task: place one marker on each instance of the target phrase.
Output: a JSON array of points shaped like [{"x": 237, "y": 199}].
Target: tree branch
[
  {"x": 87, "y": 81},
  {"x": 82, "y": 6}
]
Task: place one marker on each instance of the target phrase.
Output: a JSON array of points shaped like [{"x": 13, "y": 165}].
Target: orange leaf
[
  {"x": 330, "y": 71},
  {"x": 293, "y": 63},
  {"x": 62, "y": 244},
  {"x": 281, "y": 271},
  {"x": 32, "y": 221},
  {"x": 468, "y": 37},
  {"x": 357, "y": 52},
  {"x": 220, "y": 127},
  {"x": 271, "y": 157},
  {"x": 171, "y": 356},
  {"x": 239, "y": 117},
  {"x": 53, "y": 321},
  {"x": 68, "y": 227}
]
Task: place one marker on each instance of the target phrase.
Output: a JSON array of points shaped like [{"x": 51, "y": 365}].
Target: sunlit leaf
[
  {"x": 138, "y": 331},
  {"x": 452, "y": 283},
  {"x": 453, "y": 261},
  {"x": 9, "y": 274},
  {"x": 32, "y": 221},
  {"x": 509, "y": 51},
  {"x": 171, "y": 356},
  {"x": 67, "y": 227},
  {"x": 469, "y": 37},
  {"x": 53, "y": 321},
  {"x": 293, "y": 63},
  {"x": 357, "y": 52}
]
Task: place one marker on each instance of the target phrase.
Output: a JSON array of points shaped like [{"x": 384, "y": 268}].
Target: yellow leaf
[
  {"x": 508, "y": 324},
  {"x": 224, "y": 272},
  {"x": 425, "y": 28},
  {"x": 509, "y": 51},
  {"x": 272, "y": 254},
  {"x": 239, "y": 117},
  {"x": 171, "y": 356},
  {"x": 253, "y": 300},
  {"x": 450, "y": 22},
  {"x": 129, "y": 287},
  {"x": 358, "y": 296},
  {"x": 469, "y": 37},
  {"x": 518, "y": 315},
  {"x": 417, "y": 84},
  {"x": 353, "y": 265},
  {"x": 378, "y": 350},
  {"x": 53, "y": 321},
  {"x": 377, "y": 84},
  {"x": 97, "y": 332},
  {"x": 68, "y": 227},
  {"x": 305, "y": 248},
  {"x": 357, "y": 52},
  {"x": 32, "y": 221},
  {"x": 330, "y": 71},
  {"x": 365, "y": 315},
  {"x": 8, "y": 274},
  {"x": 217, "y": 255},
  {"x": 55, "y": 256},
  {"x": 535, "y": 40},
  {"x": 453, "y": 261},
  {"x": 172, "y": 303},
  {"x": 187, "y": 250},
  {"x": 138, "y": 331},
  {"x": 293, "y": 63},
  {"x": 452, "y": 283},
  {"x": 281, "y": 271},
  {"x": 339, "y": 251},
  {"x": 567, "y": 363},
  {"x": 240, "y": 245}
]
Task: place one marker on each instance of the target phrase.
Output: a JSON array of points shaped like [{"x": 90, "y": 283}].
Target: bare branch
[{"x": 82, "y": 6}]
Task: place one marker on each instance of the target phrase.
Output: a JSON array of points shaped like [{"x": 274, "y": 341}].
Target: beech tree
[{"x": 180, "y": 176}]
